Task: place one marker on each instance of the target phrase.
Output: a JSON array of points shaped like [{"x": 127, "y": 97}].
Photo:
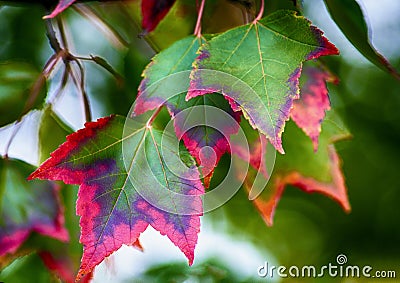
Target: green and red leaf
[
  {"x": 264, "y": 61},
  {"x": 205, "y": 135},
  {"x": 112, "y": 210}
]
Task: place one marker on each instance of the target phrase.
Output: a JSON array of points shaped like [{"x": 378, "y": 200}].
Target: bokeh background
[{"x": 309, "y": 229}]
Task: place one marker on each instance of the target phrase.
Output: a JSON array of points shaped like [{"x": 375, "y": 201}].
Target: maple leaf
[
  {"x": 264, "y": 61},
  {"x": 111, "y": 169},
  {"x": 309, "y": 111},
  {"x": 26, "y": 208},
  {"x": 310, "y": 171},
  {"x": 61, "y": 6},
  {"x": 153, "y": 11},
  {"x": 204, "y": 130}
]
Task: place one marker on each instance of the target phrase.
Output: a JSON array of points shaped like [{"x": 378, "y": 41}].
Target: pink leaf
[
  {"x": 258, "y": 67},
  {"x": 308, "y": 112}
]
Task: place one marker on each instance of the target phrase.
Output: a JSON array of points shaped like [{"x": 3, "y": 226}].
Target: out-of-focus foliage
[{"x": 210, "y": 271}]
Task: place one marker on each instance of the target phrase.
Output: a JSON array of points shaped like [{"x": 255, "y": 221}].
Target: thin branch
[
  {"x": 51, "y": 63},
  {"x": 197, "y": 29},
  {"x": 80, "y": 84},
  {"x": 105, "y": 65},
  {"x": 51, "y": 35},
  {"x": 39, "y": 83},
  {"x": 60, "y": 25},
  {"x": 63, "y": 84}
]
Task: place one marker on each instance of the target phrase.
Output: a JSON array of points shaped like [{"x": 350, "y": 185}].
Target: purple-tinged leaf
[
  {"x": 112, "y": 184},
  {"x": 27, "y": 208},
  {"x": 308, "y": 112},
  {"x": 153, "y": 11},
  {"x": 258, "y": 66},
  {"x": 204, "y": 132}
]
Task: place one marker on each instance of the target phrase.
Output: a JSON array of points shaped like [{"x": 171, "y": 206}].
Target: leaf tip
[{"x": 325, "y": 46}]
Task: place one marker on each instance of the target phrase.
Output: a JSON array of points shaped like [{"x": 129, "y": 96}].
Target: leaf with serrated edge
[
  {"x": 309, "y": 111},
  {"x": 175, "y": 59},
  {"x": 267, "y": 56},
  {"x": 171, "y": 65},
  {"x": 26, "y": 208},
  {"x": 112, "y": 211},
  {"x": 301, "y": 167}
]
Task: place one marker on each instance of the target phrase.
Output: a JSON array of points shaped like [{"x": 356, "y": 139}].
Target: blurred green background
[{"x": 309, "y": 229}]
